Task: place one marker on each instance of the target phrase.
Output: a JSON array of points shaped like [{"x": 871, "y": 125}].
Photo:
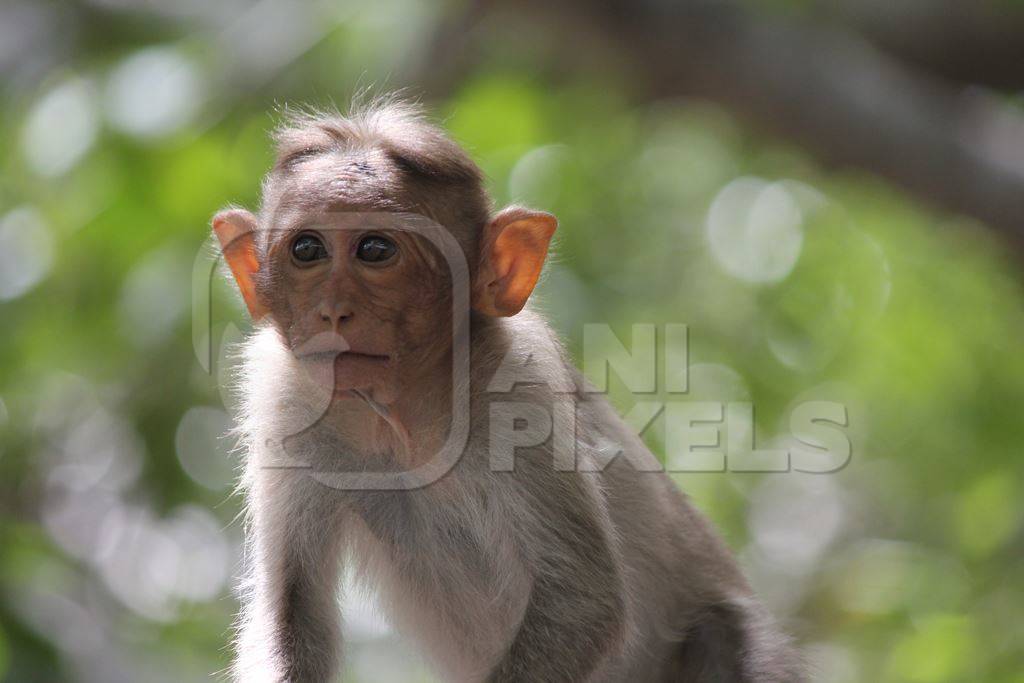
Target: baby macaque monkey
[{"x": 404, "y": 413}]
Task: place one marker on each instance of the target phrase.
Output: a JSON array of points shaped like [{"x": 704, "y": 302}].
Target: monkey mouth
[
  {"x": 322, "y": 347},
  {"x": 327, "y": 348},
  {"x": 358, "y": 356},
  {"x": 342, "y": 372},
  {"x": 342, "y": 356}
]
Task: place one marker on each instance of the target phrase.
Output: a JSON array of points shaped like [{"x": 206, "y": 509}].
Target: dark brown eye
[
  {"x": 308, "y": 248},
  {"x": 375, "y": 249}
]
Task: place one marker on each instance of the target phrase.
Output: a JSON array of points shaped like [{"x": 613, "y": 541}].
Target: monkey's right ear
[{"x": 236, "y": 232}]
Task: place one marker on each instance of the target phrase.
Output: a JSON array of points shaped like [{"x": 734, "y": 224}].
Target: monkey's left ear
[
  {"x": 236, "y": 232},
  {"x": 515, "y": 244}
]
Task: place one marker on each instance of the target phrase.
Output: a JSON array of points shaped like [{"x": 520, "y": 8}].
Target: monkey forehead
[
  {"x": 364, "y": 181},
  {"x": 344, "y": 216},
  {"x": 334, "y": 195}
]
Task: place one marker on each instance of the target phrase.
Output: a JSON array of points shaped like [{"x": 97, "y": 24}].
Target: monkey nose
[{"x": 334, "y": 313}]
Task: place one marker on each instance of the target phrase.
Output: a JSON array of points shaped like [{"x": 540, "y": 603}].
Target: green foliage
[{"x": 911, "y": 318}]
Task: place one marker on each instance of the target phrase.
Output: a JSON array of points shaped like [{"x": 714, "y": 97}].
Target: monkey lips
[
  {"x": 346, "y": 372},
  {"x": 337, "y": 369}
]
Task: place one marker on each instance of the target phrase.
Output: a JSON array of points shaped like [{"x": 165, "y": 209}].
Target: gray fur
[
  {"x": 530, "y": 575},
  {"x": 533, "y": 575}
]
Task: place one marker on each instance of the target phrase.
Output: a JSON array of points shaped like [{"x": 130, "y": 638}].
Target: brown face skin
[
  {"x": 377, "y": 329},
  {"x": 359, "y": 298}
]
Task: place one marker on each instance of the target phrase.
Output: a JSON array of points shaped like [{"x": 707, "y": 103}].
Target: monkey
[{"x": 400, "y": 400}]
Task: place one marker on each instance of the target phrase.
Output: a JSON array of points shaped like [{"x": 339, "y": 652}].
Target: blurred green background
[{"x": 803, "y": 273}]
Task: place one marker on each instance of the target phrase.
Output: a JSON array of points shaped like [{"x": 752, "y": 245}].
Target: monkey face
[
  {"x": 361, "y": 300},
  {"x": 360, "y": 296}
]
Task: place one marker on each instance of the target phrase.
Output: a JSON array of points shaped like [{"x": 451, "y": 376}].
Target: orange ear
[
  {"x": 515, "y": 244},
  {"x": 235, "y": 230}
]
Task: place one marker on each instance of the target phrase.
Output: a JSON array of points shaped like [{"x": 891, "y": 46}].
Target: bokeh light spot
[
  {"x": 160, "y": 276},
  {"x": 203, "y": 448},
  {"x": 755, "y": 230},
  {"x": 795, "y": 518},
  {"x": 153, "y": 92},
  {"x": 61, "y": 127},
  {"x": 26, "y": 251},
  {"x": 535, "y": 180}
]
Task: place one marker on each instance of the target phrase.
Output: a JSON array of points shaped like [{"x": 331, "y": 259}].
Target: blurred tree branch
[
  {"x": 970, "y": 42},
  {"x": 826, "y": 89}
]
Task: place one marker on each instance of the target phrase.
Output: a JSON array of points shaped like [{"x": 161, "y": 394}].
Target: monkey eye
[
  {"x": 308, "y": 248},
  {"x": 375, "y": 249}
]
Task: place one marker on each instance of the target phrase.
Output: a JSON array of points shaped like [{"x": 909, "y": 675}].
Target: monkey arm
[
  {"x": 575, "y": 615},
  {"x": 288, "y": 629}
]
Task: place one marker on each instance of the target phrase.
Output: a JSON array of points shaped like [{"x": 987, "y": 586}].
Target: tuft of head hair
[
  {"x": 397, "y": 127},
  {"x": 392, "y": 156}
]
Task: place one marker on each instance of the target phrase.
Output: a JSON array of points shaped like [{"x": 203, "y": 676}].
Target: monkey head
[{"x": 335, "y": 262}]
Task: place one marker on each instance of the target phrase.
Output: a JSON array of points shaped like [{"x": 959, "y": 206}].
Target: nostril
[{"x": 335, "y": 314}]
